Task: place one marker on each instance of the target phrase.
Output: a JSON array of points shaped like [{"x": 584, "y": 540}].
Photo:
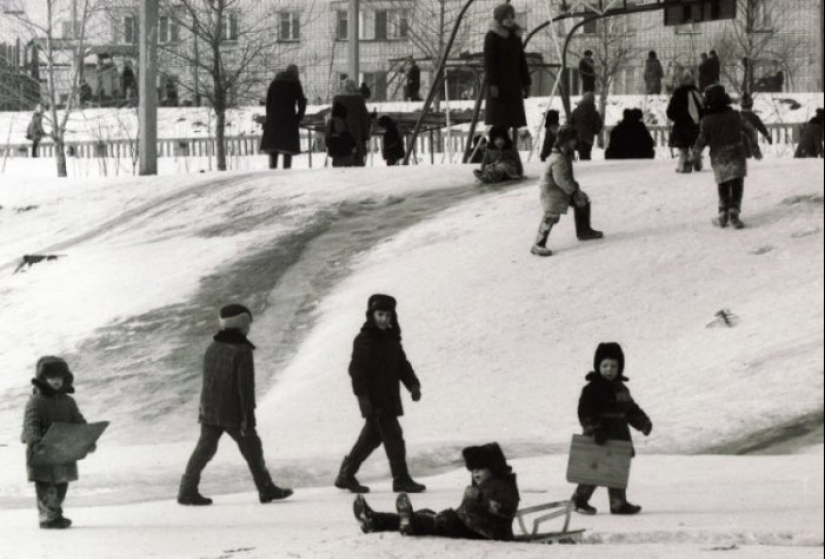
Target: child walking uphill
[
  {"x": 228, "y": 406},
  {"x": 501, "y": 160},
  {"x": 606, "y": 412},
  {"x": 486, "y": 512},
  {"x": 50, "y": 403},
  {"x": 559, "y": 191}
]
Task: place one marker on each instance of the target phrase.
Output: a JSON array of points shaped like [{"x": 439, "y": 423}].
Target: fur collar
[
  {"x": 505, "y": 33},
  {"x": 233, "y": 337},
  {"x": 43, "y": 388}
]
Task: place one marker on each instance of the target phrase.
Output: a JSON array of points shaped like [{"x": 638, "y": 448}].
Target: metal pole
[
  {"x": 148, "y": 110},
  {"x": 469, "y": 148},
  {"x": 354, "y": 36}
]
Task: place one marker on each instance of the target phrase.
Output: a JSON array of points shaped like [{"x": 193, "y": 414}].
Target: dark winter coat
[
  {"x": 507, "y": 73},
  {"x": 549, "y": 143},
  {"x": 685, "y": 111},
  {"x": 413, "y": 82},
  {"x": 491, "y": 514},
  {"x": 44, "y": 408},
  {"x": 228, "y": 393},
  {"x": 757, "y": 123},
  {"x": 587, "y": 71},
  {"x": 631, "y": 139},
  {"x": 654, "y": 74},
  {"x": 586, "y": 120},
  {"x": 35, "y": 131},
  {"x": 608, "y": 407},
  {"x": 723, "y": 131},
  {"x": 506, "y": 160},
  {"x": 558, "y": 184},
  {"x": 127, "y": 79},
  {"x": 285, "y": 107},
  {"x": 339, "y": 140},
  {"x": 393, "y": 146},
  {"x": 811, "y": 140},
  {"x": 358, "y": 118},
  {"x": 706, "y": 72},
  {"x": 378, "y": 367}
]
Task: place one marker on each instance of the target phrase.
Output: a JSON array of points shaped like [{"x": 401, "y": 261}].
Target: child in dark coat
[
  {"x": 393, "y": 148},
  {"x": 486, "y": 512},
  {"x": 501, "y": 160},
  {"x": 50, "y": 403},
  {"x": 228, "y": 406},
  {"x": 606, "y": 412},
  {"x": 340, "y": 142}
]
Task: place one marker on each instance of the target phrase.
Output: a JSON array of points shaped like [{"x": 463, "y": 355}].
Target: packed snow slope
[{"x": 500, "y": 339}]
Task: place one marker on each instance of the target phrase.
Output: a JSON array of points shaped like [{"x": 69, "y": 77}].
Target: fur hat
[
  {"x": 553, "y": 118},
  {"x": 716, "y": 97},
  {"x": 379, "y": 302},
  {"x": 565, "y": 134},
  {"x": 746, "y": 102},
  {"x": 588, "y": 52},
  {"x": 502, "y": 11},
  {"x": 610, "y": 350},
  {"x": 50, "y": 366},
  {"x": 487, "y": 457},
  {"x": 637, "y": 115},
  {"x": 235, "y": 317}
]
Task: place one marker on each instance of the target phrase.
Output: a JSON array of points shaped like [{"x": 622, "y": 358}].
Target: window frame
[{"x": 292, "y": 19}]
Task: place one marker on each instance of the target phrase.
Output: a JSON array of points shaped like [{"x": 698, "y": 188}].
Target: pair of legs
[
  {"x": 618, "y": 501},
  {"x": 445, "y": 524},
  {"x": 380, "y": 429},
  {"x": 35, "y": 149},
  {"x": 584, "y": 231},
  {"x": 251, "y": 448},
  {"x": 688, "y": 162},
  {"x": 585, "y": 151},
  {"x": 273, "y": 160},
  {"x": 50, "y": 497},
  {"x": 730, "y": 202}
]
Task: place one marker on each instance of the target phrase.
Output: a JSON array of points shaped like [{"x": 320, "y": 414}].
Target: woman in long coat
[
  {"x": 685, "y": 110},
  {"x": 508, "y": 77},
  {"x": 285, "y": 107}
]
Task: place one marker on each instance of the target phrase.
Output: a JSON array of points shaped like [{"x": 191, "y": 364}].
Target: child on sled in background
[
  {"x": 501, "y": 160},
  {"x": 606, "y": 412},
  {"x": 486, "y": 512},
  {"x": 50, "y": 403}
]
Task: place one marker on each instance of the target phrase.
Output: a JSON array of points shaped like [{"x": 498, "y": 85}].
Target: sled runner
[{"x": 547, "y": 512}]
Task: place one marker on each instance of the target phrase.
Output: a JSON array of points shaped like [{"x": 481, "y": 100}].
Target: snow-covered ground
[{"x": 501, "y": 340}]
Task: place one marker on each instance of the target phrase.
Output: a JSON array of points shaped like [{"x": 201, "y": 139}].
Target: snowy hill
[{"x": 502, "y": 340}]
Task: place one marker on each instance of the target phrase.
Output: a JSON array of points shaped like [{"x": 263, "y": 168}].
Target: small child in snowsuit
[
  {"x": 486, "y": 512},
  {"x": 606, "y": 412},
  {"x": 50, "y": 403},
  {"x": 340, "y": 143},
  {"x": 551, "y": 129},
  {"x": 501, "y": 160},
  {"x": 559, "y": 191},
  {"x": 393, "y": 148}
]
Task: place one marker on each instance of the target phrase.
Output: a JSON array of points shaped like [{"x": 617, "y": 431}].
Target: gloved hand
[
  {"x": 92, "y": 449},
  {"x": 416, "y": 394},
  {"x": 366, "y": 406},
  {"x": 600, "y": 436},
  {"x": 493, "y": 89},
  {"x": 580, "y": 199},
  {"x": 526, "y": 91},
  {"x": 647, "y": 429}
]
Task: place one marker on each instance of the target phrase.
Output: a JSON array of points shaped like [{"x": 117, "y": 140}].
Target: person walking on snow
[
  {"x": 378, "y": 368},
  {"x": 228, "y": 406},
  {"x": 358, "y": 119},
  {"x": 486, "y": 512},
  {"x": 685, "y": 111},
  {"x": 35, "y": 131},
  {"x": 285, "y": 108},
  {"x": 606, "y": 412},
  {"x": 340, "y": 143},
  {"x": 508, "y": 77},
  {"x": 654, "y": 74},
  {"x": 587, "y": 71},
  {"x": 725, "y": 132},
  {"x": 50, "y": 403},
  {"x": 559, "y": 191},
  {"x": 588, "y": 123}
]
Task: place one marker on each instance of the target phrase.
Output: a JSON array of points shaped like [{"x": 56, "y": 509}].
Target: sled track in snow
[{"x": 719, "y": 541}]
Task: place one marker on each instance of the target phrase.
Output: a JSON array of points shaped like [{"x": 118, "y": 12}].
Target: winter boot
[
  {"x": 723, "y": 220},
  {"x": 403, "y": 507},
  {"x": 540, "y": 246},
  {"x": 402, "y": 481},
  {"x": 60, "y": 523},
  {"x": 363, "y": 514},
  {"x": 583, "y": 230},
  {"x": 346, "y": 478},
  {"x": 272, "y": 492},
  {"x": 619, "y": 504},
  {"x": 586, "y": 509},
  {"x": 735, "y": 222},
  {"x": 698, "y": 164},
  {"x": 188, "y": 495},
  {"x": 581, "y": 499}
]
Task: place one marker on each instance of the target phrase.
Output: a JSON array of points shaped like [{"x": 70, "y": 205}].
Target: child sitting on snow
[
  {"x": 50, "y": 403},
  {"x": 486, "y": 512},
  {"x": 606, "y": 412},
  {"x": 501, "y": 160}
]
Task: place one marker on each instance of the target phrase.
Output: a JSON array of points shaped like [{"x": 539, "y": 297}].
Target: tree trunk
[
  {"x": 60, "y": 157},
  {"x": 220, "y": 138}
]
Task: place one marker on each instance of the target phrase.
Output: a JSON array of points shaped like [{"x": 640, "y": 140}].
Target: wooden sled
[{"x": 550, "y": 511}]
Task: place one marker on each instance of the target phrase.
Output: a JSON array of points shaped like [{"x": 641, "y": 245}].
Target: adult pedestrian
[
  {"x": 285, "y": 108},
  {"x": 725, "y": 132},
  {"x": 413, "y": 86},
  {"x": 358, "y": 119},
  {"x": 588, "y": 123},
  {"x": 508, "y": 77},
  {"x": 631, "y": 139},
  {"x": 811, "y": 139},
  {"x": 587, "y": 72},
  {"x": 35, "y": 131},
  {"x": 715, "y": 68},
  {"x": 705, "y": 72},
  {"x": 654, "y": 74},
  {"x": 378, "y": 368},
  {"x": 365, "y": 91},
  {"x": 685, "y": 111},
  {"x": 128, "y": 82}
]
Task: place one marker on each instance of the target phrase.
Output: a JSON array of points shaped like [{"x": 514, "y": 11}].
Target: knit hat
[
  {"x": 746, "y": 102},
  {"x": 716, "y": 97},
  {"x": 565, "y": 134},
  {"x": 235, "y": 317},
  {"x": 553, "y": 118},
  {"x": 609, "y": 350},
  {"x": 487, "y": 457},
  {"x": 502, "y": 11}
]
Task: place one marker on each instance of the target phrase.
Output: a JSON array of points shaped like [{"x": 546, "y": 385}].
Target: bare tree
[
  {"x": 758, "y": 36},
  {"x": 61, "y": 33}
]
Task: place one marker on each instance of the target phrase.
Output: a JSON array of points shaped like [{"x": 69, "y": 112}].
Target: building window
[
  {"x": 398, "y": 25},
  {"x": 367, "y": 30},
  {"x": 131, "y": 30},
  {"x": 290, "y": 27},
  {"x": 688, "y": 29},
  {"x": 168, "y": 30},
  {"x": 342, "y": 29},
  {"x": 760, "y": 16},
  {"x": 230, "y": 27}
]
